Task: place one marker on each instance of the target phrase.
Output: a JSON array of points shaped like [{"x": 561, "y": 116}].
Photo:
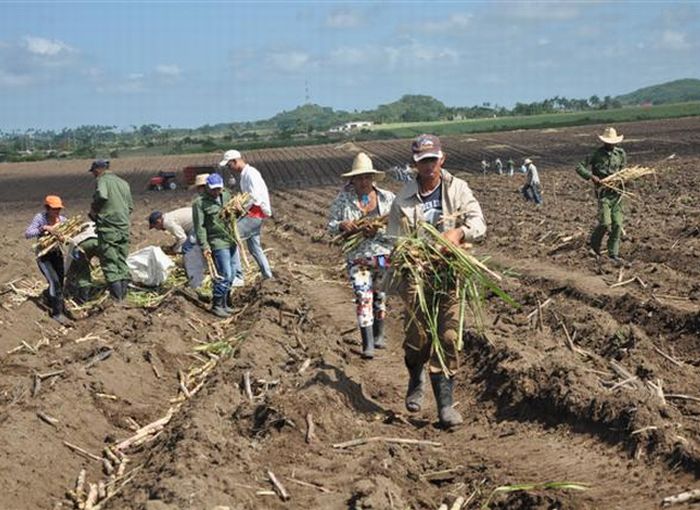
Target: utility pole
[{"x": 307, "y": 94}]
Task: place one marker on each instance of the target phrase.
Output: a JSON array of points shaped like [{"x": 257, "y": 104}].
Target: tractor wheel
[{"x": 172, "y": 185}]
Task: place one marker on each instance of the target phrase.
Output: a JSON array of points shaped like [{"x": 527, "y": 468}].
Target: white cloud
[
  {"x": 45, "y": 47},
  {"x": 168, "y": 70},
  {"x": 532, "y": 11},
  {"x": 344, "y": 18},
  {"x": 288, "y": 61},
  {"x": 673, "y": 40},
  {"x": 405, "y": 56},
  {"x": 455, "y": 21},
  {"x": 351, "y": 56},
  {"x": 543, "y": 41}
]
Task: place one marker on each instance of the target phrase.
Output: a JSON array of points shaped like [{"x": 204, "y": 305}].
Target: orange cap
[{"x": 53, "y": 201}]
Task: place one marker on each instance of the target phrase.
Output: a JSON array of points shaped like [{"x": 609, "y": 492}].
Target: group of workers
[
  {"x": 201, "y": 231},
  {"x": 446, "y": 202},
  {"x": 434, "y": 196}
]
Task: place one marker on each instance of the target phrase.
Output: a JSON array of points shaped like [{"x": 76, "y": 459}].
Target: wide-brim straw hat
[
  {"x": 200, "y": 180},
  {"x": 362, "y": 165},
  {"x": 610, "y": 136}
]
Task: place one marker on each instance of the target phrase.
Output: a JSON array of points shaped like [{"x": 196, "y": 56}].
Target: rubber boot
[
  {"x": 218, "y": 307},
  {"x": 367, "y": 342},
  {"x": 57, "y": 310},
  {"x": 228, "y": 303},
  {"x": 116, "y": 290},
  {"x": 442, "y": 388},
  {"x": 378, "y": 330},
  {"x": 416, "y": 388},
  {"x": 125, "y": 288}
]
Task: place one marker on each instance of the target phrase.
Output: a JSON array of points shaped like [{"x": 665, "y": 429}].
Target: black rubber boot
[
  {"x": 378, "y": 330},
  {"x": 58, "y": 309},
  {"x": 442, "y": 388},
  {"x": 218, "y": 307},
  {"x": 228, "y": 303},
  {"x": 116, "y": 290},
  {"x": 367, "y": 342},
  {"x": 125, "y": 288},
  {"x": 416, "y": 388}
]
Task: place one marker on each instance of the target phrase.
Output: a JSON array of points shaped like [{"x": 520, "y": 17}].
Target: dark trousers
[{"x": 51, "y": 266}]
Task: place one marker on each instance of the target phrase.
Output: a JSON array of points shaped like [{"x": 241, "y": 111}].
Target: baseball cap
[
  {"x": 215, "y": 181},
  {"x": 153, "y": 218},
  {"x": 228, "y": 156},
  {"x": 426, "y": 146},
  {"x": 53, "y": 201},
  {"x": 99, "y": 163}
]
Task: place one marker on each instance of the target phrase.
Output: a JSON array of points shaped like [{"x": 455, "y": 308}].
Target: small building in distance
[{"x": 351, "y": 126}]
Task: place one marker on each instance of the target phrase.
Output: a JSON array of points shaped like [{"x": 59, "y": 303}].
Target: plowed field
[{"x": 600, "y": 387}]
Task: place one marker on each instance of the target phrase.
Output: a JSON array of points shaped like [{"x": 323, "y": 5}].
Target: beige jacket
[{"x": 459, "y": 209}]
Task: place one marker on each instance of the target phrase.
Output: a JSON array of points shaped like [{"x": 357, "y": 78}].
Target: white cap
[{"x": 228, "y": 156}]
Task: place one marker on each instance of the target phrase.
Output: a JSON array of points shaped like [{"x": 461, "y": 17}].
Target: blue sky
[{"x": 185, "y": 64}]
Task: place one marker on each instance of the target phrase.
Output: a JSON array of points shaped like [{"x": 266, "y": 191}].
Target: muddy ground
[{"x": 618, "y": 412}]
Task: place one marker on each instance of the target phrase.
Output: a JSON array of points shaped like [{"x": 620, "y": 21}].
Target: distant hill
[{"x": 678, "y": 91}]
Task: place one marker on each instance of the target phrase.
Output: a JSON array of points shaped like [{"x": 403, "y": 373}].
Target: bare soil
[{"x": 535, "y": 409}]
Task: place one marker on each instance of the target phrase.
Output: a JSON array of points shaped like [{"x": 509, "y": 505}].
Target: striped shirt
[{"x": 36, "y": 227}]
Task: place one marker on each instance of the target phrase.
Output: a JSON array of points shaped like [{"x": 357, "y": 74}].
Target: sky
[{"x": 186, "y": 64}]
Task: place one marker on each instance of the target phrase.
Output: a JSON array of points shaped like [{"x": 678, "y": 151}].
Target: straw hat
[
  {"x": 527, "y": 161},
  {"x": 610, "y": 136},
  {"x": 200, "y": 180},
  {"x": 362, "y": 165}
]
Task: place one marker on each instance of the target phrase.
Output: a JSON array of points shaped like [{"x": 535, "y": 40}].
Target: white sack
[{"x": 149, "y": 266}]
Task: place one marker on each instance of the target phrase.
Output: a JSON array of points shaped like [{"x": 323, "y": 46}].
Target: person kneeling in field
[
  {"x": 51, "y": 263},
  {"x": 180, "y": 225},
  {"x": 367, "y": 262},
  {"x": 81, "y": 249},
  {"x": 447, "y": 203}
]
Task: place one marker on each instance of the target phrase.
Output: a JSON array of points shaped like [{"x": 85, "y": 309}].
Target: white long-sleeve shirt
[
  {"x": 253, "y": 184},
  {"x": 532, "y": 177},
  {"x": 179, "y": 224}
]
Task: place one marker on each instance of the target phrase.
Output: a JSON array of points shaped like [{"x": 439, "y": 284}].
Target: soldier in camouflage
[{"x": 605, "y": 161}]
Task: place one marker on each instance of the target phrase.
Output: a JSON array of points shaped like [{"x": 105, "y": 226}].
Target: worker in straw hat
[
  {"x": 352, "y": 213},
  {"x": 531, "y": 190},
  {"x": 605, "y": 161},
  {"x": 446, "y": 202},
  {"x": 51, "y": 263}
]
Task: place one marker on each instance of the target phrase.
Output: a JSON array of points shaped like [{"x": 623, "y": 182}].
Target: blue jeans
[
  {"x": 532, "y": 192},
  {"x": 249, "y": 230},
  {"x": 224, "y": 261}
]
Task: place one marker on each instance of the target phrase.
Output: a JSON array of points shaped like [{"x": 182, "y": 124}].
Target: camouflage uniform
[{"x": 602, "y": 163}]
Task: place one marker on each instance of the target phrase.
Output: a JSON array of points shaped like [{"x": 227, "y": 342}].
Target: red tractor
[{"x": 164, "y": 180}]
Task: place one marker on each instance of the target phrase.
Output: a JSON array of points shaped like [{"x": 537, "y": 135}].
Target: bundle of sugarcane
[
  {"x": 232, "y": 210},
  {"x": 61, "y": 234},
  {"x": 211, "y": 266},
  {"x": 437, "y": 269},
  {"x": 236, "y": 207},
  {"x": 368, "y": 224},
  {"x": 618, "y": 180}
]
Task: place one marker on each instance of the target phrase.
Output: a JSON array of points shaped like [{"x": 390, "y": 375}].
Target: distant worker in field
[
  {"x": 81, "y": 249},
  {"x": 216, "y": 240},
  {"x": 484, "y": 166},
  {"x": 110, "y": 210},
  {"x": 259, "y": 209},
  {"x": 361, "y": 210},
  {"x": 50, "y": 264},
  {"x": 447, "y": 203},
  {"x": 499, "y": 166},
  {"x": 511, "y": 167},
  {"x": 605, "y": 161},
  {"x": 531, "y": 190}
]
